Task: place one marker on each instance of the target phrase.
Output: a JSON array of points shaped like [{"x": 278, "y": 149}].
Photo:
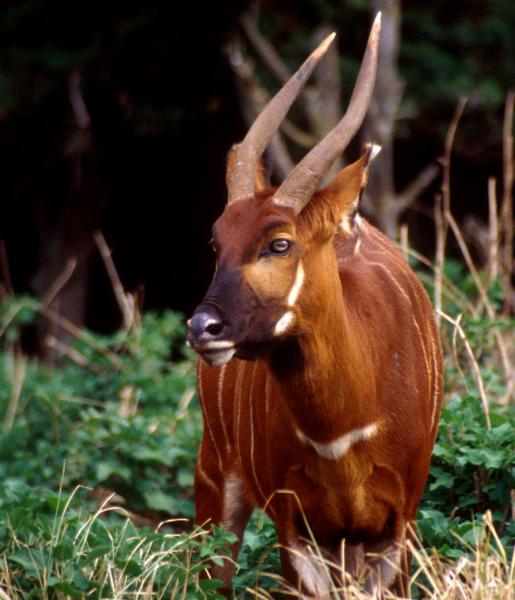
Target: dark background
[{"x": 149, "y": 170}]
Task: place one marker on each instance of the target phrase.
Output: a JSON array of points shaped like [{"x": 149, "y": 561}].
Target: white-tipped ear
[{"x": 373, "y": 150}]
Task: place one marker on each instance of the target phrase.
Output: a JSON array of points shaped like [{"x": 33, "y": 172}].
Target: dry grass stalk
[
  {"x": 404, "y": 241},
  {"x": 474, "y": 365},
  {"x": 446, "y": 160},
  {"x": 439, "y": 257},
  {"x": 125, "y": 301},
  {"x": 493, "y": 232},
  {"x": 78, "y": 333},
  {"x": 18, "y": 364},
  {"x": 507, "y": 204},
  {"x": 501, "y": 343},
  {"x": 443, "y": 205}
]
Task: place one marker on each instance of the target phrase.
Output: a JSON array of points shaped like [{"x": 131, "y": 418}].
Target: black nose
[{"x": 205, "y": 326}]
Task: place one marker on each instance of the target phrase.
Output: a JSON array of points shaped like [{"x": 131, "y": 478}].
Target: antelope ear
[
  {"x": 343, "y": 193},
  {"x": 260, "y": 176}
]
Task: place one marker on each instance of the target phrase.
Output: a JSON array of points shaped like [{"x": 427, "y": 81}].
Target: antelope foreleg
[{"x": 220, "y": 499}]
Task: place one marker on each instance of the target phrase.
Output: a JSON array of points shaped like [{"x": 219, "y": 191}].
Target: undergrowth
[{"x": 96, "y": 467}]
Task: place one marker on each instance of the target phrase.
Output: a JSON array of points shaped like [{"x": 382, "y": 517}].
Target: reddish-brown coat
[{"x": 365, "y": 352}]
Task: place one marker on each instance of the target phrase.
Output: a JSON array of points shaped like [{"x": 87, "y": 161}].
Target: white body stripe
[
  {"x": 415, "y": 322},
  {"x": 205, "y": 476},
  {"x": 206, "y": 419},
  {"x": 251, "y": 417},
  {"x": 436, "y": 383},
  {"x": 238, "y": 384},
  {"x": 340, "y": 446},
  {"x": 220, "y": 391}
]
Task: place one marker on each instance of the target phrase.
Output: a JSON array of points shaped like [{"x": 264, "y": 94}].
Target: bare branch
[
  {"x": 264, "y": 49},
  {"x": 446, "y": 160},
  {"x": 71, "y": 353},
  {"x": 80, "y": 334},
  {"x": 253, "y": 99},
  {"x": 77, "y": 101},
  {"x": 6, "y": 272},
  {"x": 271, "y": 59},
  {"x": 417, "y": 186},
  {"x": 61, "y": 280}
]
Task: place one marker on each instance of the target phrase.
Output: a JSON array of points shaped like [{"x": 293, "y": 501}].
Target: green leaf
[
  {"x": 68, "y": 588},
  {"x": 63, "y": 551},
  {"x": 445, "y": 480}
]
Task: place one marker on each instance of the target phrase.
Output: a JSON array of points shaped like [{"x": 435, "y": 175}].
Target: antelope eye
[{"x": 279, "y": 246}]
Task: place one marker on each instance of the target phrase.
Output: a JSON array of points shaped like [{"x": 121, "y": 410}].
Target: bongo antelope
[{"x": 320, "y": 371}]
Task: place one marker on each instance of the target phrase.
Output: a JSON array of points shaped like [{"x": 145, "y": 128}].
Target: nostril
[
  {"x": 214, "y": 327},
  {"x": 205, "y": 326}
]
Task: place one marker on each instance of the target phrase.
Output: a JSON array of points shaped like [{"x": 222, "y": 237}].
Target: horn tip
[
  {"x": 322, "y": 48},
  {"x": 376, "y": 26}
]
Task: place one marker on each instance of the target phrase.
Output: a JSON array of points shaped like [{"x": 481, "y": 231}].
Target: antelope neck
[{"x": 320, "y": 375}]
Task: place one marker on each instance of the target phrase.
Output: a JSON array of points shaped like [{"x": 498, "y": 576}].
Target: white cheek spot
[
  {"x": 340, "y": 446},
  {"x": 284, "y": 323},
  {"x": 357, "y": 246},
  {"x": 297, "y": 285}
]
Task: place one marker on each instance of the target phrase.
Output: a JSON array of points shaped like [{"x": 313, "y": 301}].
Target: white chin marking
[
  {"x": 284, "y": 323},
  {"x": 218, "y": 345},
  {"x": 217, "y": 358}
]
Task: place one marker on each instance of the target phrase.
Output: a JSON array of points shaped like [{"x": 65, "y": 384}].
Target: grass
[{"x": 97, "y": 453}]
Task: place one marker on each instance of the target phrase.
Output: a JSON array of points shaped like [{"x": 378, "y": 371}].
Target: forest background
[{"x": 115, "y": 122}]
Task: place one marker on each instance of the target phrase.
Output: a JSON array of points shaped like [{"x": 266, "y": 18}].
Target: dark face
[{"x": 251, "y": 302}]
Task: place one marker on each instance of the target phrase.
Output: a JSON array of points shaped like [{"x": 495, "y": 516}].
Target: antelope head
[{"x": 268, "y": 241}]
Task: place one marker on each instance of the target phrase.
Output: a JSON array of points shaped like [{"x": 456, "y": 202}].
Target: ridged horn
[
  {"x": 303, "y": 181},
  {"x": 241, "y": 179}
]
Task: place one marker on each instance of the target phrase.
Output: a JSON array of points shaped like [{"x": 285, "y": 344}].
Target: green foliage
[
  {"x": 446, "y": 53},
  {"x": 259, "y": 555},
  {"x": 58, "y": 546},
  {"x": 472, "y": 471},
  {"x": 120, "y": 418}
]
